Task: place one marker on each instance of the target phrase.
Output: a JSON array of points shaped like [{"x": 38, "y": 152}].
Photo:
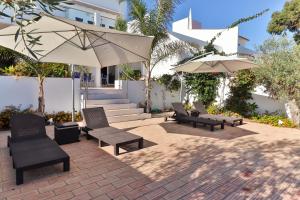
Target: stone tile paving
[{"x": 252, "y": 161}]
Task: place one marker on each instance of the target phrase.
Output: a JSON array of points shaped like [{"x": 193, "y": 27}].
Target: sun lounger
[
  {"x": 31, "y": 148},
  {"x": 181, "y": 115},
  {"x": 203, "y": 114},
  {"x": 97, "y": 127}
]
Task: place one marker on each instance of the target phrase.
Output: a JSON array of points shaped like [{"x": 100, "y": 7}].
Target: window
[
  {"x": 102, "y": 25},
  {"x": 78, "y": 19},
  {"x": 111, "y": 27},
  {"x": 90, "y": 22}
]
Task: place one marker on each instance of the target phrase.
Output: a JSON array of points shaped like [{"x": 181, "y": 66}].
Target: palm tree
[{"x": 155, "y": 22}]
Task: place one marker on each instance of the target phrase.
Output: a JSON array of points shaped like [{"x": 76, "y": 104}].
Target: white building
[
  {"x": 189, "y": 30},
  {"x": 104, "y": 13},
  {"x": 229, "y": 42},
  {"x": 101, "y": 13}
]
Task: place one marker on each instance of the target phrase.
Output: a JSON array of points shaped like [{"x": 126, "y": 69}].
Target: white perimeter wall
[
  {"x": 23, "y": 91},
  {"x": 135, "y": 90},
  {"x": 260, "y": 97},
  {"x": 162, "y": 99}
]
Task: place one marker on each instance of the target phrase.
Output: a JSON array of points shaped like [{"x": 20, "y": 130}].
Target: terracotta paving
[{"x": 252, "y": 161}]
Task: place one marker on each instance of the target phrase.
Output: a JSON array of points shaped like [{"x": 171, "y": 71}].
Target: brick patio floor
[{"x": 252, "y": 161}]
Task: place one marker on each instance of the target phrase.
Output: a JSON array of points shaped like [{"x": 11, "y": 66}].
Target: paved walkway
[{"x": 252, "y": 161}]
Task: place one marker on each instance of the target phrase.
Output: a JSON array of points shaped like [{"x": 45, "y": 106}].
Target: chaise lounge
[
  {"x": 226, "y": 119},
  {"x": 97, "y": 127},
  {"x": 181, "y": 115},
  {"x": 31, "y": 148}
]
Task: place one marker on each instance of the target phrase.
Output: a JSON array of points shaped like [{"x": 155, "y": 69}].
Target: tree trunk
[
  {"x": 41, "y": 98},
  {"x": 148, "y": 88},
  {"x": 293, "y": 112}
]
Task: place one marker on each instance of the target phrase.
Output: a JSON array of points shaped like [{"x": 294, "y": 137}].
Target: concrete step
[
  {"x": 104, "y": 93},
  {"x": 116, "y": 105},
  {"x": 124, "y": 118},
  {"x": 110, "y": 113},
  {"x": 107, "y": 101},
  {"x": 106, "y": 96},
  {"x": 113, "y": 106},
  {"x": 102, "y": 90}
]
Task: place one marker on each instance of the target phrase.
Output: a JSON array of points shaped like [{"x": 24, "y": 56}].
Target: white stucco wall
[
  {"x": 260, "y": 97},
  {"x": 23, "y": 91},
  {"x": 135, "y": 92},
  {"x": 267, "y": 104},
  {"x": 162, "y": 99}
]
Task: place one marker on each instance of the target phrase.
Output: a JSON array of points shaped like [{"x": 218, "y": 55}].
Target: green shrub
[
  {"x": 203, "y": 86},
  {"x": 171, "y": 82},
  {"x": 240, "y": 93},
  {"x": 129, "y": 74},
  {"x": 62, "y": 117},
  {"x": 231, "y": 114},
  {"x": 30, "y": 69},
  {"x": 59, "y": 117},
  {"x": 217, "y": 110},
  {"x": 214, "y": 109},
  {"x": 7, "y": 57},
  {"x": 8, "y": 112},
  {"x": 274, "y": 120},
  {"x": 188, "y": 106},
  {"x": 156, "y": 110}
]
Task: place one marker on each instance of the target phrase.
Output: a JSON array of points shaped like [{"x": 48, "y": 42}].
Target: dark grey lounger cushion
[
  {"x": 95, "y": 118},
  {"x": 27, "y": 126}
]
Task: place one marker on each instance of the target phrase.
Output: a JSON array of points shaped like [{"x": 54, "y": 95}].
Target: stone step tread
[
  {"x": 113, "y": 106},
  {"x": 122, "y": 109},
  {"x": 130, "y": 115},
  {"x": 118, "y": 112},
  {"x": 122, "y": 118},
  {"x": 103, "y": 92},
  {"x": 108, "y": 101}
]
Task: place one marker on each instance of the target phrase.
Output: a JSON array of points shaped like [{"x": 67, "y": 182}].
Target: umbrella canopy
[
  {"x": 216, "y": 63},
  {"x": 71, "y": 42}
]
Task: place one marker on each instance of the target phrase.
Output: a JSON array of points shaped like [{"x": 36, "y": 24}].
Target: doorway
[{"x": 108, "y": 76}]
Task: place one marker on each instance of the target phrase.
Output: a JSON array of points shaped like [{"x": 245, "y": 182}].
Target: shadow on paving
[
  {"x": 227, "y": 133},
  {"x": 130, "y": 147},
  {"x": 246, "y": 170}
]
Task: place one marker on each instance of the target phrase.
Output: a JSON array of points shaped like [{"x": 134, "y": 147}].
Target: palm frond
[
  {"x": 165, "y": 11},
  {"x": 167, "y": 49}
]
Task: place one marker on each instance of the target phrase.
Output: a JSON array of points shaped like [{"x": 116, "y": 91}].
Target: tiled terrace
[{"x": 252, "y": 161}]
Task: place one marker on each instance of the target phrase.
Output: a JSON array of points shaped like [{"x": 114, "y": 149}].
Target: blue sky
[{"x": 221, "y": 13}]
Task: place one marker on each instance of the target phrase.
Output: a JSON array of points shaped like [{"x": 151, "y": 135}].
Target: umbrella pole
[
  {"x": 73, "y": 91},
  {"x": 181, "y": 87},
  {"x": 222, "y": 99}
]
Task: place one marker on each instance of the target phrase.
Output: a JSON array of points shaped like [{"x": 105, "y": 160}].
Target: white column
[
  {"x": 95, "y": 19},
  {"x": 98, "y": 80},
  {"x": 73, "y": 94},
  {"x": 98, "y": 77}
]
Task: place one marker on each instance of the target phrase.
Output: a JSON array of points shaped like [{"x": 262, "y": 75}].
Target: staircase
[{"x": 117, "y": 107}]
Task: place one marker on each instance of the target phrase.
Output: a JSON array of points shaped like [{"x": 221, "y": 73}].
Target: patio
[{"x": 252, "y": 161}]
